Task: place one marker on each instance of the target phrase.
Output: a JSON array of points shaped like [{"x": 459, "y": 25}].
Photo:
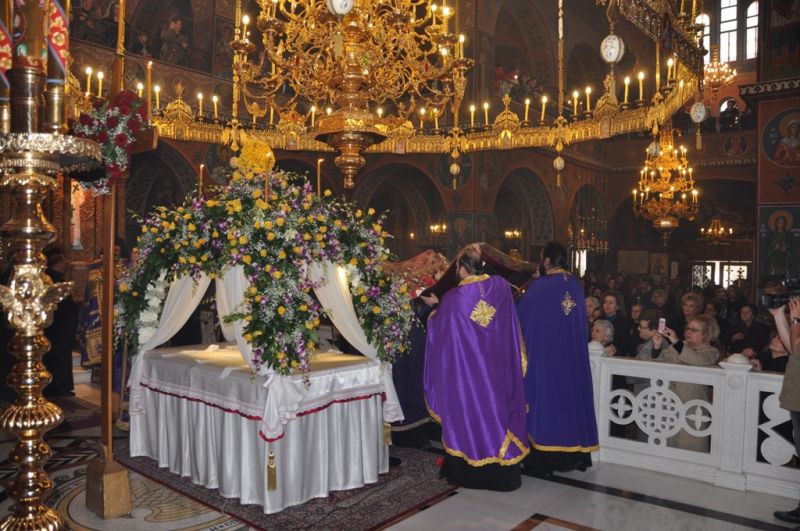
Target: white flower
[
  {"x": 290, "y": 234},
  {"x": 148, "y": 316},
  {"x": 145, "y": 334}
]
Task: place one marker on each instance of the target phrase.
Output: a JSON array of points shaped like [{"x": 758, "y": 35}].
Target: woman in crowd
[
  {"x": 773, "y": 358},
  {"x": 614, "y": 311},
  {"x": 602, "y": 339},
  {"x": 696, "y": 350}
]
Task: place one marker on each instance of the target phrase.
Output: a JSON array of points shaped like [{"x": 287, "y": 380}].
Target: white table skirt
[{"x": 202, "y": 421}]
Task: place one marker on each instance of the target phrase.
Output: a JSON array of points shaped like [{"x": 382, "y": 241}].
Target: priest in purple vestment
[
  {"x": 562, "y": 428},
  {"x": 474, "y": 368}
]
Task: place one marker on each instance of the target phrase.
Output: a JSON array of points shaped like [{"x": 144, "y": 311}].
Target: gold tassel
[
  {"x": 387, "y": 434},
  {"x": 698, "y": 140},
  {"x": 272, "y": 474}
]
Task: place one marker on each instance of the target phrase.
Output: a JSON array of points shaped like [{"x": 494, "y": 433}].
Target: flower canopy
[{"x": 273, "y": 225}]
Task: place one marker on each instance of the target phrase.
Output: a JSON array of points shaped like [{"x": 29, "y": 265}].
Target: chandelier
[
  {"x": 333, "y": 69},
  {"x": 716, "y": 233},
  {"x": 717, "y": 75},
  {"x": 665, "y": 191}
]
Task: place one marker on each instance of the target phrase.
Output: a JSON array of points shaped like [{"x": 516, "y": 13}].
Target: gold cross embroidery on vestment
[
  {"x": 567, "y": 303},
  {"x": 483, "y": 313}
]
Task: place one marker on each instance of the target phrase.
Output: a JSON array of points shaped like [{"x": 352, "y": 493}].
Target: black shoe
[{"x": 788, "y": 516}]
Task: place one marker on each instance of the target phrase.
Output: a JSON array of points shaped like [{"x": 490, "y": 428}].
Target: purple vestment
[
  {"x": 552, "y": 313},
  {"x": 474, "y": 366}
]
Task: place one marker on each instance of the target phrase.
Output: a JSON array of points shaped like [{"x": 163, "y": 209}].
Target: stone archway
[
  {"x": 411, "y": 202},
  {"x": 160, "y": 177},
  {"x": 522, "y": 203}
]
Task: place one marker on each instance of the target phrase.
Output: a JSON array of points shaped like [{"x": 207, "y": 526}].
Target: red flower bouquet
[{"x": 113, "y": 124}]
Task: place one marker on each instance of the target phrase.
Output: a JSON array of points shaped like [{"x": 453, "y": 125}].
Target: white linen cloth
[
  {"x": 182, "y": 299},
  {"x": 203, "y": 424},
  {"x": 335, "y": 297}
]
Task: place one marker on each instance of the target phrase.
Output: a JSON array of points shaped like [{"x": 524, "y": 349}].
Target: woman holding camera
[{"x": 696, "y": 350}]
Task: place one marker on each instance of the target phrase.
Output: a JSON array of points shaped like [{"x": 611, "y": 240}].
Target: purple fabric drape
[
  {"x": 474, "y": 366},
  {"x": 552, "y": 313}
]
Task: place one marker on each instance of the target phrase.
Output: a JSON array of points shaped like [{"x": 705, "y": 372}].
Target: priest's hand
[{"x": 430, "y": 300}]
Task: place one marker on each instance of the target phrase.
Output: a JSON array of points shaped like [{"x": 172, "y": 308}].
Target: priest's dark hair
[
  {"x": 470, "y": 258},
  {"x": 556, "y": 253}
]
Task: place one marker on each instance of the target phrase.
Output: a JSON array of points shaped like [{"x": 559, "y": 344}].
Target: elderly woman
[
  {"x": 592, "y": 311},
  {"x": 696, "y": 349},
  {"x": 602, "y": 339}
]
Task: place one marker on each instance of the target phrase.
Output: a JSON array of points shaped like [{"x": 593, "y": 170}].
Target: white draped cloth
[
  {"x": 285, "y": 395},
  {"x": 203, "y": 422}
]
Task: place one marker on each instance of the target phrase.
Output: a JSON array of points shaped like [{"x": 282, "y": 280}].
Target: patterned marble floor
[{"x": 609, "y": 497}]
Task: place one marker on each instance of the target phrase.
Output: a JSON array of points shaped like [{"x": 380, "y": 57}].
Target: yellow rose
[
  {"x": 327, "y": 193},
  {"x": 277, "y": 275},
  {"x": 281, "y": 310},
  {"x": 358, "y": 213},
  {"x": 192, "y": 227},
  {"x": 303, "y": 307},
  {"x": 268, "y": 224},
  {"x": 192, "y": 260},
  {"x": 371, "y": 211},
  {"x": 270, "y": 236},
  {"x": 306, "y": 236},
  {"x": 280, "y": 221},
  {"x": 215, "y": 234},
  {"x": 282, "y": 254},
  {"x": 252, "y": 290},
  {"x": 247, "y": 259},
  {"x": 376, "y": 310},
  {"x": 242, "y": 240},
  {"x": 263, "y": 253},
  {"x": 363, "y": 299},
  {"x": 297, "y": 249}
]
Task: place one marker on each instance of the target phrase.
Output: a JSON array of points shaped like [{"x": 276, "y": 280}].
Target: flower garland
[
  {"x": 271, "y": 224},
  {"x": 112, "y": 124}
]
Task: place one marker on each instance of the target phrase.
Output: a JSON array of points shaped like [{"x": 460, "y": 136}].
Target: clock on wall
[
  {"x": 698, "y": 112},
  {"x": 612, "y": 48},
  {"x": 340, "y": 7}
]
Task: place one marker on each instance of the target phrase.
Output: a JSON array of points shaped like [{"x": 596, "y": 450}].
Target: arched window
[
  {"x": 705, "y": 21},
  {"x": 728, "y": 21},
  {"x": 751, "y": 46}
]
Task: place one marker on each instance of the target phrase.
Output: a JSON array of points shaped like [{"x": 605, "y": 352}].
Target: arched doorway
[
  {"x": 411, "y": 203},
  {"x": 522, "y": 205}
]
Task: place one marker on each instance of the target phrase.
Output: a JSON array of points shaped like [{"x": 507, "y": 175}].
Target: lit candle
[
  {"x": 148, "y": 82},
  {"x": 670, "y": 63},
  {"x": 575, "y": 102},
  {"x": 627, "y": 84},
  {"x": 200, "y": 103},
  {"x": 215, "y": 101},
  {"x": 472, "y": 116},
  {"x": 641, "y": 80},
  {"x": 100, "y": 76},
  {"x": 460, "y": 47},
  {"x": 421, "y": 119},
  {"x": 157, "y": 90},
  {"x": 527, "y": 107},
  {"x": 245, "y": 22},
  {"x": 486, "y": 113},
  {"x": 588, "y": 99},
  {"x": 544, "y": 106},
  {"x": 200, "y": 180},
  {"x": 319, "y": 177},
  {"x": 313, "y": 115},
  {"x": 88, "y": 80},
  {"x": 329, "y": 110},
  {"x": 380, "y": 112},
  {"x": 634, "y": 196},
  {"x": 139, "y": 88},
  {"x": 694, "y": 196}
]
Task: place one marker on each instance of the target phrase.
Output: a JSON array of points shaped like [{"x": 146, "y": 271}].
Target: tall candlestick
[
  {"x": 200, "y": 104},
  {"x": 486, "y": 113},
  {"x": 472, "y": 117},
  {"x": 200, "y": 180},
  {"x": 575, "y": 102},
  {"x": 271, "y": 114},
  {"x": 88, "y": 80},
  {"x": 544, "y": 105},
  {"x": 588, "y": 99},
  {"x": 319, "y": 177},
  {"x": 313, "y": 115},
  {"x": 527, "y": 108},
  {"x": 641, "y": 80},
  {"x": 148, "y": 81},
  {"x": 100, "y": 76},
  {"x": 670, "y": 63},
  {"x": 139, "y": 88},
  {"x": 627, "y": 85},
  {"x": 157, "y": 90},
  {"x": 421, "y": 119},
  {"x": 215, "y": 101},
  {"x": 435, "y": 119}
]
